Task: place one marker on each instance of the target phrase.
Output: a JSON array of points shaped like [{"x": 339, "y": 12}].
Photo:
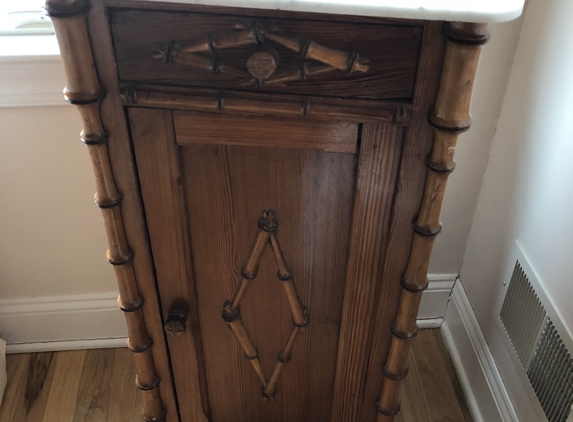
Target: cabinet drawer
[{"x": 296, "y": 56}]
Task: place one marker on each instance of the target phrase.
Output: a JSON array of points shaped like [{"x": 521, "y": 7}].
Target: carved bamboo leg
[
  {"x": 450, "y": 117},
  {"x": 84, "y": 91}
]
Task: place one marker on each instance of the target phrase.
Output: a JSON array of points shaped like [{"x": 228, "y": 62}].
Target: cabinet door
[{"x": 315, "y": 202}]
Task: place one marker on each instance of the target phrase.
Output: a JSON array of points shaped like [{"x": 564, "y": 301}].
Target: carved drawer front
[{"x": 307, "y": 57}]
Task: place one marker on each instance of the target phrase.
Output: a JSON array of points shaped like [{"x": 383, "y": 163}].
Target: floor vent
[{"x": 540, "y": 349}]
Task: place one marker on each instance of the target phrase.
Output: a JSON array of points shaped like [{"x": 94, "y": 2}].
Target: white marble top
[{"x": 451, "y": 10}]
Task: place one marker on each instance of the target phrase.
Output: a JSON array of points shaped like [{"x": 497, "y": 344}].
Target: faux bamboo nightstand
[{"x": 271, "y": 184}]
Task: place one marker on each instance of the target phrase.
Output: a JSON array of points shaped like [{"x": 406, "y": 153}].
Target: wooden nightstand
[{"x": 271, "y": 184}]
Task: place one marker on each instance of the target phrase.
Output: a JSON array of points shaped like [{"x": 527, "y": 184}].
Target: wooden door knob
[{"x": 176, "y": 322}]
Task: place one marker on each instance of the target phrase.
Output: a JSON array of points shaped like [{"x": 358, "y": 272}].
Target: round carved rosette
[{"x": 263, "y": 64}]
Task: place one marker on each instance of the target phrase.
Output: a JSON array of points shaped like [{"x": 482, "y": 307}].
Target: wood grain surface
[
  {"x": 378, "y": 166},
  {"x": 266, "y": 104},
  {"x": 62, "y": 391},
  {"x": 123, "y": 167},
  {"x": 156, "y": 154},
  {"x": 74, "y": 386},
  {"x": 311, "y": 192},
  {"x": 411, "y": 178},
  {"x": 344, "y": 195},
  {"x": 392, "y": 50},
  {"x": 216, "y": 129},
  {"x": 226, "y": 189}
]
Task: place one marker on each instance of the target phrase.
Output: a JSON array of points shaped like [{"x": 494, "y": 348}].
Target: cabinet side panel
[{"x": 311, "y": 193}]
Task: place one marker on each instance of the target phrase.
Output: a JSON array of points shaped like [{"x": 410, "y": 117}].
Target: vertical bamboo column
[
  {"x": 84, "y": 91},
  {"x": 449, "y": 118}
]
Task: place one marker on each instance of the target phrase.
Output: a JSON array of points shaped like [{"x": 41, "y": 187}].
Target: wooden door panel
[
  {"x": 310, "y": 191},
  {"x": 226, "y": 189},
  {"x": 203, "y": 202}
]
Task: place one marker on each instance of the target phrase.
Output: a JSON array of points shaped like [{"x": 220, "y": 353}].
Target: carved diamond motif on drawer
[
  {"x": 231, "y": 311},
  {"x": 262, "y": 67}
]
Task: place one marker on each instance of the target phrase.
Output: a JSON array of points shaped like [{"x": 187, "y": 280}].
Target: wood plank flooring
[
  {"x": 431, "y": 391},
  {"x": 98, "y": 386}
]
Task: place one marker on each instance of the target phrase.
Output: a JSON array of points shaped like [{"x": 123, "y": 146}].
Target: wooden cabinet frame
[{"x": 100, "y": 99}]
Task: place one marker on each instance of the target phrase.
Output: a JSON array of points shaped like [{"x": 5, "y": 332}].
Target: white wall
[
  {"x": 473, "y": 148},
  {"x": 52, "y": 240},
  {"x": 527, "y": 192},
  {"x": 55, "y": 282}
]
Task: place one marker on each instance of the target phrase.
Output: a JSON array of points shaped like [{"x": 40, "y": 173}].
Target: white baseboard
[
  {"x": 430, "y": 323},
  {"x": 62, "y": 323},
  {"x": 435, "y": 300},
  {"x": 57, "y": 346},
  {"x": 94, "y": 321},
  {"x": 485, "y": 392}
]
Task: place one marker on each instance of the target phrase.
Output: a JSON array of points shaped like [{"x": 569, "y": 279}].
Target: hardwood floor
[
  {"x": 98, "y": 386},
  {"x": 431, "y": 391}
]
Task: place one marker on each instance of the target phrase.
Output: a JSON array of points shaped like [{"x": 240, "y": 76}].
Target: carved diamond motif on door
[{"x": 231, "y": 311}]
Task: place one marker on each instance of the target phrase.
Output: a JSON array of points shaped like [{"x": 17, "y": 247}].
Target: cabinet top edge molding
[{"x": 486, "y": 11}]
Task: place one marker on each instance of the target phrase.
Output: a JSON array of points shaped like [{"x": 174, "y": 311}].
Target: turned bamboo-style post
[
  {"x": 449, "y": 118},
  {"x": 84, "y": 91}
]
